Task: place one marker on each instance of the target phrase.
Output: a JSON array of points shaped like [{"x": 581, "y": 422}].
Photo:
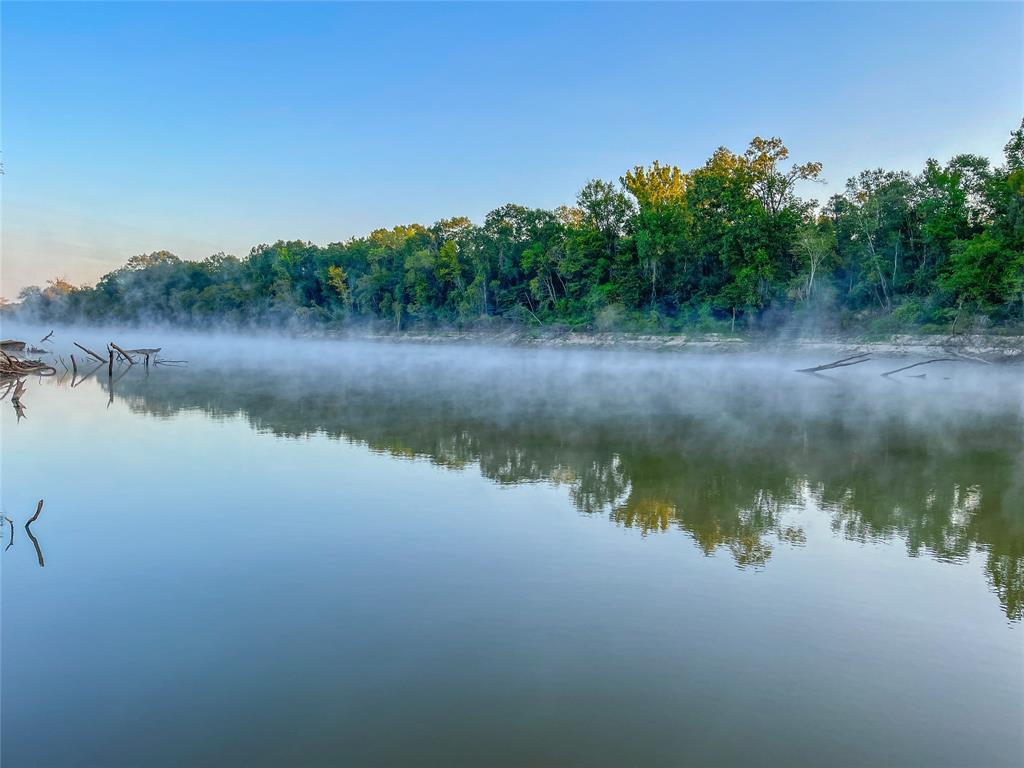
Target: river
[{"x": 339, "y": 553}]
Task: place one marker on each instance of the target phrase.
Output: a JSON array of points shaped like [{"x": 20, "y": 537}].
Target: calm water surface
[{"x": 346, "y": 554}]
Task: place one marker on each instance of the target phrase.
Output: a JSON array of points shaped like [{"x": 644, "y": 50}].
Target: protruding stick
[
  {"x": 123, "y": 353},
  {"x": 925, "y": 362},
  {"x": 851, "y": 360},
  {"x": 89, "y": 352},
  {"x": 39, "y": 508}
]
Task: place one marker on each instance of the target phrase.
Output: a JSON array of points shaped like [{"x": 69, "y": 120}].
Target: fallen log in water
[
  {"x": 12, "y": 345},
  {"x": 123, "y": 353},
  {"x": 926, "y": 362},
  {"x": 862, "y": 357},
  {"x": 13, "y": 367},
  {"x": 89, "y": 352}
]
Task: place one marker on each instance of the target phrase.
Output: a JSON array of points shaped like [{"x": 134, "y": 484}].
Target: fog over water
[{"x": 384, "y": 552}]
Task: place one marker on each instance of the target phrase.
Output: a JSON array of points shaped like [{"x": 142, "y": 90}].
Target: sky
[{"x": 206, "y": 127}]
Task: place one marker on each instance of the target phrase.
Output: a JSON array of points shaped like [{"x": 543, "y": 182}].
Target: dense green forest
[{"x": 726, "y": 246}]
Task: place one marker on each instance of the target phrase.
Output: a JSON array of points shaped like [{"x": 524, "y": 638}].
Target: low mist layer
[{"x": 715, "y": 445}]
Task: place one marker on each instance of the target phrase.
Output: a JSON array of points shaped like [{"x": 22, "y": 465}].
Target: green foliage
[
  {"x": 657, "y": 185},
  {"x": 727, "y": 245},
  {"x": 984, "y": 273}
]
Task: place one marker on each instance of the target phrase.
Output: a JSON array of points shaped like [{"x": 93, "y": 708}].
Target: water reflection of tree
[{"x": 946, "y": 489}]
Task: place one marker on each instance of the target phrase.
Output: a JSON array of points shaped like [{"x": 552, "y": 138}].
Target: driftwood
[
  {"x": 12, "y": 345},
  {"x": 926, "y": 362},
  {"x": 123, "y": 353},
  {"x": 863, "y": 357},
  {"x": 12, "y": 366},
  {"x": 46, "y": 337},
  {"x": 89, "y": 352}
]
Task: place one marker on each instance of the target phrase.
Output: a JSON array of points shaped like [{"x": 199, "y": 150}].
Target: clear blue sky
[{"x": 197, "y": 127}]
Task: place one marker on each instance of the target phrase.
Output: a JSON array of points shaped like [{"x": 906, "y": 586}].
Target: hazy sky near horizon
[{"x": 200, "y": 127}]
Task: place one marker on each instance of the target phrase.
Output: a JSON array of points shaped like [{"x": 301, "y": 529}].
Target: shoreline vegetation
[
  {"x": 662, "y": 257},
  {"x": 992, "y": 346}
]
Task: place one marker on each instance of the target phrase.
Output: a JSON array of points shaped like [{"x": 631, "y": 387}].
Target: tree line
[{"x": 729, "y": 245}]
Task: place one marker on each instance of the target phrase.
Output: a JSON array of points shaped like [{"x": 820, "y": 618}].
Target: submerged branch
[
  {"x": 123, "y": 353},
  {"x": 28, "y": 530},
  {"x": 862, "y": 357},
  {"x": 89, "y": 352},
  {"x": 87, "y": 375},
  {"x": 926, "y": 362},
  {"x": 35, "y": 543},
  {"x": 39, "y": 508}
]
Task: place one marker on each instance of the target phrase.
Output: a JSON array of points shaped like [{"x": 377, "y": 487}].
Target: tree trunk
[{"x": 810, "y": 280}]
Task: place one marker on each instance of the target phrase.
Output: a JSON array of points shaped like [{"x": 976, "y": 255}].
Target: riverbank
[{"x": 989, "y": 347}]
